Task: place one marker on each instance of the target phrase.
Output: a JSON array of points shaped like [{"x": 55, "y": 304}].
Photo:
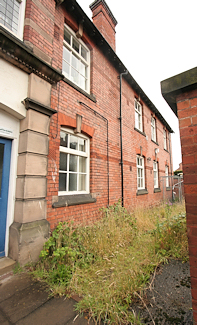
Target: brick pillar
[
  {"x": 181, "y": 94},
  {"x": 187, "y": 114}
]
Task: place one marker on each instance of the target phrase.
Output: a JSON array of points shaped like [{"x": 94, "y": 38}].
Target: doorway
[{"x": 5, "y": 154}]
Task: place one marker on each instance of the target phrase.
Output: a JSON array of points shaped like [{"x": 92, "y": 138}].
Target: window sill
[
  {"x": 168, "y": 188},
  {"x": 156, "y": 190},
  {"x": 142, "y": 192},
  {"x": 90, "y": 96},
  {"x": 69, "y": 200},
  {"x": 141, "y": 132},
  {"x": 155, "y": 142},
  {"x": 166, "y": 150}
]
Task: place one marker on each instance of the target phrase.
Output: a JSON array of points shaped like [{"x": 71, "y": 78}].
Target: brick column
[{"x": 181, "y": 94}]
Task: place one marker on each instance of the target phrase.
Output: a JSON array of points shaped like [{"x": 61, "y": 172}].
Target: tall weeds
[{"x": 108, "y": 262}]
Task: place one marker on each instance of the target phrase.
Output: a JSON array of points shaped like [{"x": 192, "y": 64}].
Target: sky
[{"x": 155, "y": 40}]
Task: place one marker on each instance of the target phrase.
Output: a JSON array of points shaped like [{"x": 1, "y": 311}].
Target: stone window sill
[
  {"x": 156, "y": 190},
  {"x": 168, "y": 188},
  {"x": 144, "y": 134},
  {"x": 142, "y": 192},
  {"x": 69, "y": 200},
  {"x": 90, "y": 96},
  {"x": 155, "y": 142}
]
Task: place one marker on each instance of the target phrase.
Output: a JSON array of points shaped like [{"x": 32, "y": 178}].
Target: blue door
[{"x": 5, "y": 153}]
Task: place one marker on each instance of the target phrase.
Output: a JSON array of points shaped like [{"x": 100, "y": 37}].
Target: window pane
[
  {"x": 63, "y": 161},
  {"x": 63, "y": 139},
  {"x": 82, "y": 144},
  {"x": 82, "y": 165},
  {"x": 67, "y": 36},
  {"x": 74, "y": 76},
  {"x": 82, "y": 82},
  {"x": 75, "y": 45},
  {"x": 73, "y": 163},
  {"x": 73, "y": 142},
  {"x": 65, "y": 69},
  {"x": 66, "y": 54},
  {"x": 82, "y": 182},
  {"x": 62, "y": 181},
  {"x": 72, "y": 182},
  {"x": 82, "y": 69},
  {"x": 83, "y": 53},
  {"x": 75, "y": 62}
]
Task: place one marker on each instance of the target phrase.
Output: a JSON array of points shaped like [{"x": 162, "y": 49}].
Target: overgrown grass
[{"x": 110, "y": 262}]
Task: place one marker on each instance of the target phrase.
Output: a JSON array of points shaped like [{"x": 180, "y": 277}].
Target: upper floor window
[
  {"x": 165, "y": 139},
  {"x": 12, "y": 15},
  {"x": 74, "y": 163},
  {"x": 138, "y": 116},
  {"x": 153, "y": 128},
  {"x": 76, "y": 60},
  {"x": 140, "y": 173},
  {"x": 155, "y": 172}
]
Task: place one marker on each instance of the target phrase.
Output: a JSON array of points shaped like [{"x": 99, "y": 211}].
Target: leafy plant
[{"x": 110, "y": 262}]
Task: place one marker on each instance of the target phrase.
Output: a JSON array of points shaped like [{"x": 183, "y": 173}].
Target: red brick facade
[
  {"x": 187, "y": 114},
  {"x": 100, "y": 111},
  {"x": 181, "y": 94}
]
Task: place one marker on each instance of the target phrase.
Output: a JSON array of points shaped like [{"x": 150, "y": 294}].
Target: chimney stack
[{"x": 104, "y": 20}]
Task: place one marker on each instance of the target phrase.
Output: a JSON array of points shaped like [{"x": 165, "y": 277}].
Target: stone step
[{"x": 6, "y": 265}]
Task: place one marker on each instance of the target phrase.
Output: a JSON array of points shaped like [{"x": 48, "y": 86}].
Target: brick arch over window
[{"x": 68, "y": 121}]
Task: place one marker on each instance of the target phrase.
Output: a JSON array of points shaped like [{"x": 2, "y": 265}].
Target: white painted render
[{"x": 13, "y": 89}]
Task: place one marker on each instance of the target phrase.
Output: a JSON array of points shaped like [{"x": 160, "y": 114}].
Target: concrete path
[{"x": 24, "y": 301}]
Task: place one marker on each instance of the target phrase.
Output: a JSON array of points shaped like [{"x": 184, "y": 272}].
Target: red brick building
[
  {"x": 88, "y": 134},
  {"x": 180, "y": 92}
]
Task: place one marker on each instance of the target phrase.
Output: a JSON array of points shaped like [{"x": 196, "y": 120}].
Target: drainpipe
[
  {"x": 121, "y": 149},
  {"x": 171, "y": 163}
]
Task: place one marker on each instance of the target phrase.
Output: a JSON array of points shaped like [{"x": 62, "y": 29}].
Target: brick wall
[
  {"x": 45, "y": 35},
  {"x": 187, "y": 113}
]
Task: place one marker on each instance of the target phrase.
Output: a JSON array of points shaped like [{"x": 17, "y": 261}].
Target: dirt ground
[{"x": 168, "y": 299}]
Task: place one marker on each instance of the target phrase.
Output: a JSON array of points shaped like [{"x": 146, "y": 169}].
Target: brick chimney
[{"x": 104, "y": 20}]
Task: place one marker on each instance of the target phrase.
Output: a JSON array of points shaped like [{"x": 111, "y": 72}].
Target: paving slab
[
  {"x": 26, "y": 301},
  {"x": 12, "y": 284}
]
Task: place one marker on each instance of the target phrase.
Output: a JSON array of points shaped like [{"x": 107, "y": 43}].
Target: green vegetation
[{"x": 109, "y": 263}]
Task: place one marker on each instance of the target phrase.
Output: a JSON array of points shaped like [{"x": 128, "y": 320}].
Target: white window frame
[
  {"x": 140, "y": 173},
  {"x": 156, "y": 174},
  {"x": 167, "y": 174},
  {"x": 73, "y": 53},
  {"x": 153, "y": 128},
  {"x": 138, "y": 115},
  {"x": 165, "y": 139},
  {"x": 77, "y": 153},
  {"x": 21, "y": 18}
]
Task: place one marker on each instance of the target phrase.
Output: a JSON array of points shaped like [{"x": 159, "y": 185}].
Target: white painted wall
[{"x": 13, "y": 89}]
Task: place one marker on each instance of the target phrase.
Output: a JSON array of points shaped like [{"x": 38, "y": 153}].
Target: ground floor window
[
  {"x": 166, "y": 174},
  {"x": 74, "y": 163},
  {"x": 140, "y": 173},
  {"x": 155, "y": 172}
]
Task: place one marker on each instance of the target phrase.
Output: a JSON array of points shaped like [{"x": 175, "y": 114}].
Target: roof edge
[{"x": 178, "y": 84}]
